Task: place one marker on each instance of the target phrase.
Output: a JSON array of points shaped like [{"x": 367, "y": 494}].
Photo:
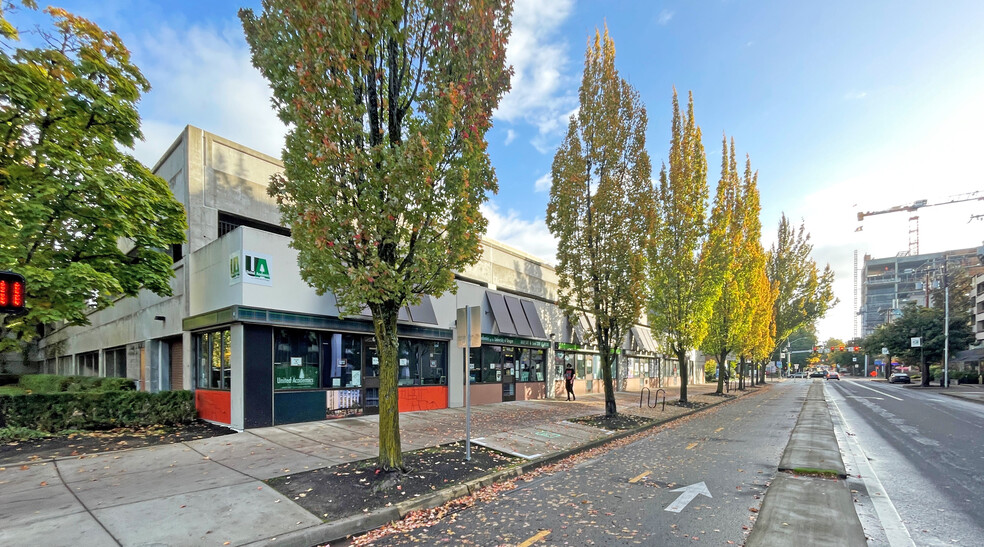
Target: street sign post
[{"x": 468, "y": 330}]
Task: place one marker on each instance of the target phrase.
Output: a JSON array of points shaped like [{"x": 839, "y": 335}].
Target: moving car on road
[
  {"x": 899, "y": 378},
  {"x": 817, "y": 374},
  {"x": 833, "y": 375},
  {"x": 798, "y": 375}
]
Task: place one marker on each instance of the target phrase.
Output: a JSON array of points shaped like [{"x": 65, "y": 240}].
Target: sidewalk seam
[{"x": 84, "y": 506}]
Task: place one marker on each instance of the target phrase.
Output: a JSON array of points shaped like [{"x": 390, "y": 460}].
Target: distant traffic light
[
  {"x": 815, "y": 348},
  {"x": 842, "y": 348},
  {"x": 11, "y": 292}
]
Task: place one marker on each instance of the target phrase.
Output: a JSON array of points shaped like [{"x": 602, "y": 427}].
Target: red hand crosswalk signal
[{"x": 11, "y": 292}]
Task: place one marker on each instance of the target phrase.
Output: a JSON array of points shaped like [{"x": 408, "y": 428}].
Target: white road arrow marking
[{"x": 688, "y": 495}]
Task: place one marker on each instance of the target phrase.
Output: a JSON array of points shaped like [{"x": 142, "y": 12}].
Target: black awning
[
  {"x": 520, "y": 321},
  {"x": 499, "y": 313},
  {"x": 423, "y": 312},
  {"x": 530, "y": 308}
]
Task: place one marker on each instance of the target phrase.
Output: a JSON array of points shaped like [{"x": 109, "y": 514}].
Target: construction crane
[{"x": 914, "y": 219}]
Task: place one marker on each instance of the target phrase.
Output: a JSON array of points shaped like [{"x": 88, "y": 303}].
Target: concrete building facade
[
  {"x": 887, "y": 284},
  {"x": 259, "y": 346}
]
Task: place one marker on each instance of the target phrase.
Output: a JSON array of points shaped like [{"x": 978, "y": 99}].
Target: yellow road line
[
  {"x": 539, "y": 535},
  {"x": 718, "y": 430},
  {"x": 639, "y": 478},
  {"x": 691, "y": 445}
]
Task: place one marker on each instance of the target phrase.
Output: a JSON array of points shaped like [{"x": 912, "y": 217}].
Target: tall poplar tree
[
  {"x": 803, "y": 292},
  {"x": 599, "y": 207},
  {"x": 387, "y": 104},
  {"x": 729, "y": 318},
  {"x": 759, "y": 292},
  {"x": 684, "y": 277}
]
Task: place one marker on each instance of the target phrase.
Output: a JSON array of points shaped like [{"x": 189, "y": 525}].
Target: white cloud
[
  {"x": 510, "y": 136},
  {"x": 531, "y": 237},
  {"x": 664, "y": 17},
  {"x": 855, "y": 95},
  {"x": 543, "y": 183},
  {"x": 540, "y": 93},
  {"x": 203, "y": 76},
  {"x": 899, "y": 174}
]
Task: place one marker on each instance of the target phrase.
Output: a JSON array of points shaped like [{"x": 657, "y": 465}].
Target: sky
[{"x": 843, "y": 106}]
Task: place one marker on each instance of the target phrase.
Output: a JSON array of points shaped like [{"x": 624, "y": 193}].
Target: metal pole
[
  {"x": 946, "y": 334},
  {"x": 468, "y": 385},
  {"x": 865, "y": 365}
]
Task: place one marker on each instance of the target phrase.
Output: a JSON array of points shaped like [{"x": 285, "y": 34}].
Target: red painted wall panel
[
  {"x": 423, "y": 398},
  {"x": 214, "y": 405}
]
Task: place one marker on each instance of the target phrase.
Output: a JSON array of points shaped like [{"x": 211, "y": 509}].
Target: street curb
[
  {"x": 357, "y": 524},
  {"x": 955, "y": 396},
  {"x": 792, "y": 503}
]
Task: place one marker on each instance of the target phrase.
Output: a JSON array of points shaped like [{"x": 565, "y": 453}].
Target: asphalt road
[
  {"x": 918, "y": 450},
  {"x": 620, "y": 497}
]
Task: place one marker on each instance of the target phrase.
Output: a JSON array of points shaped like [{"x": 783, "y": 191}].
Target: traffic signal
[
  {"x": 842, "y": 348},
  {"x": 11, "y": 292},
  {"x": 815, "y": 348}
]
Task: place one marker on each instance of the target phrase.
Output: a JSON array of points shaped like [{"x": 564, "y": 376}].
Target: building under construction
[{"x": 887, "y": 284}]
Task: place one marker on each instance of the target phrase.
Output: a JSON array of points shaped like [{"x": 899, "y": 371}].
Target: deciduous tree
[
  {"x": 82, "y": 219},
  {"x": 730, "y": 320},
  {"x": 803, "y": 292},
  {"x": 684, "y": 277},
  {"x": 387, "y": 104},
  {"x": 599, "y": 207}
]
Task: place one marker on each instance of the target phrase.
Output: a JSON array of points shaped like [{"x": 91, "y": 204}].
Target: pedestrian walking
[{"x": 569, "y": 382}]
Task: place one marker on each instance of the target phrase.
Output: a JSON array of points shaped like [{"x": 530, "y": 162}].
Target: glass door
[
  {"x": 370, "y": 378},
  {"x": 509, "y": 373}
]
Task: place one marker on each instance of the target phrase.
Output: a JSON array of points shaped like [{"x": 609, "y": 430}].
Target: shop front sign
[
  {"x": 250, "y": 267},
  {"x": 511, "y": 341}
]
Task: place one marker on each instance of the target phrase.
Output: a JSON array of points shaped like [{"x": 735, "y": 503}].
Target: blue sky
[{"x": 842, "y": 105}]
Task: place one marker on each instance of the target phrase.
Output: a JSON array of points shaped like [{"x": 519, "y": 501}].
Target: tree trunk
[
  {"x": 387, "y": 344},
  {"x": 681, "y": 355},
  {"x": 741, "y": 373},
  {"x": 722, "y": 371},
  {"x": 606, "y": 375}
]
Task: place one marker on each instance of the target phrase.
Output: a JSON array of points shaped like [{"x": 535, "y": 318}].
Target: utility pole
[{"x": 946, "y": 327}]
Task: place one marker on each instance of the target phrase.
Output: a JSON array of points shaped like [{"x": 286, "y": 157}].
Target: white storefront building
[{"x": 259, "y": 347}]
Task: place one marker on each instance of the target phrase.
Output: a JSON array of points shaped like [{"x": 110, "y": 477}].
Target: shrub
[
  {"x": 53, "y": 383},
  {"x": 96, "y": 409},
  {"x": 20, "y": 434}
]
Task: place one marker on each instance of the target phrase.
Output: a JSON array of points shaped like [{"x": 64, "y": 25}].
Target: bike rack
[{"x": 649, "y": 398}]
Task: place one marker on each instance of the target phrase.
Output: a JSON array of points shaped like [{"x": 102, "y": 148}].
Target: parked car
[
  {"x": 833, "y": 375},
  {"x": 798, "y": 375},
  {"x": 899, "y": 378},
  {"x": 817, "y": 374}
]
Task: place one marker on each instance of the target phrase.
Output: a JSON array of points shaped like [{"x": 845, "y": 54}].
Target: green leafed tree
[
  {"x": 730, "y": 320},
  {"x": 684, "y": 275},
  {"x": 599, "y": 207},
  {"x": 387, "y": 104},
  {"x": 803, "y": 292},
  {"x": 82, "y": 219}
]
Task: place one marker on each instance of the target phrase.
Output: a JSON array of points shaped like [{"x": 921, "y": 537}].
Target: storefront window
[
  {"x": 491, "y": 364},
  {"x": 213, "y": 353},
  {"x": 531, "y": 363},
  {"x": 296, "y": 359},
  {"x": 343, "y": 354},
  {"x": 433, "y": 363},
  {"x": 579, "y": 371}
]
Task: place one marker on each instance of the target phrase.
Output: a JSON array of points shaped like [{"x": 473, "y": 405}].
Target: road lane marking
[
  {"x": 691, "y": 446},
  {"x": 718, "y": 430},
  {"x": 535, "y": 538},
  {"x": 877, "y": 391},
  {"x": 895, "y": 531},
  {"x": 688, "y": 495},
  {"x": 639, "y": 478}
]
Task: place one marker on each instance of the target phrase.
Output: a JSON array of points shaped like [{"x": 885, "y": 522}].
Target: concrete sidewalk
[{"x": 210, "y": 491}]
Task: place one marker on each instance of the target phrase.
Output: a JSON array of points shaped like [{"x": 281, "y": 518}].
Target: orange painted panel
[
  {"x": 423, "y": 398},
  {"x": 214, "y": 405}
]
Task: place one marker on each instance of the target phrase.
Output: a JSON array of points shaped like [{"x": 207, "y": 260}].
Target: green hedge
[
  {"x": 96, "y": 409},
  {"x": 54, "y": 383}
]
